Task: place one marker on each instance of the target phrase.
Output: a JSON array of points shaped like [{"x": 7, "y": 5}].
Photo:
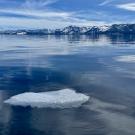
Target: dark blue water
[{"x": 85, "y": 63}]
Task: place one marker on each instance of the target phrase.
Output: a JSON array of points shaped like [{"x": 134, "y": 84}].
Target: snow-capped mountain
[{"x": 75, "y": 30}]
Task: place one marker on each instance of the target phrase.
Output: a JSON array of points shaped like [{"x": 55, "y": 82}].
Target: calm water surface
[{"x": 84, "y": 63}]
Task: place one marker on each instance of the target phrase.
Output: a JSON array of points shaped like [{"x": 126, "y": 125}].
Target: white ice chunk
[
  {"x": 127, "y": 58},
  {"x": 65, "y": 98}
]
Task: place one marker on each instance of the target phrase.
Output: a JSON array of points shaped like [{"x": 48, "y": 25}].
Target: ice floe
[
  {"x": 126, "y": 58},
  {"x": 66, "y": 98}
]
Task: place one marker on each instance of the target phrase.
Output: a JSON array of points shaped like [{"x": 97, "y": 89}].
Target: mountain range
[{"x": 75, "y": 30}]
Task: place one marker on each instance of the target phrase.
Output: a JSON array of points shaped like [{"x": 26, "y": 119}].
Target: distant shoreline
[{"x": 75, "y": 30}]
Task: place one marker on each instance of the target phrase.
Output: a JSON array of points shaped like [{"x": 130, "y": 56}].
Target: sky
[{"x": 61, "y": 13}]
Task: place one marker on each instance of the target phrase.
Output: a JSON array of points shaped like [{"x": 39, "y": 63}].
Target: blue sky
[{"x": 60, "y": 13}]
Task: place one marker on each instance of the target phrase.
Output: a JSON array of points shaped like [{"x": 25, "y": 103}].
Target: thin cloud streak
[
  {"x": 37, "y": 4},
  {"x": 106, "y": 2},
  {"x": 36, "y": 14}
]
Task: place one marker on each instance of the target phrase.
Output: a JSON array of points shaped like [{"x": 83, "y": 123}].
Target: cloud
[
  {"x": 105, "y": 2},
  {"x": 127, "y": 6},
  {"x": 45, "y": 18},
  {"x": 36, "y": 4},
  {"x": 34, "y": 14},
  {"x": 16, "y": 15},
  {"x": 59, "y": 13},
  {"x": 34, "y": 9}
]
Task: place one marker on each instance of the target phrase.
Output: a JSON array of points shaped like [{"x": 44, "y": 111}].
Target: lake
[{"x": 102, "y": 67}]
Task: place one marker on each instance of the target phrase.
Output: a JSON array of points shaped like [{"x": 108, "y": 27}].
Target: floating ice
[
  {"x": 65, "y": 98},
  {"x": 127, "y": 58}
]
